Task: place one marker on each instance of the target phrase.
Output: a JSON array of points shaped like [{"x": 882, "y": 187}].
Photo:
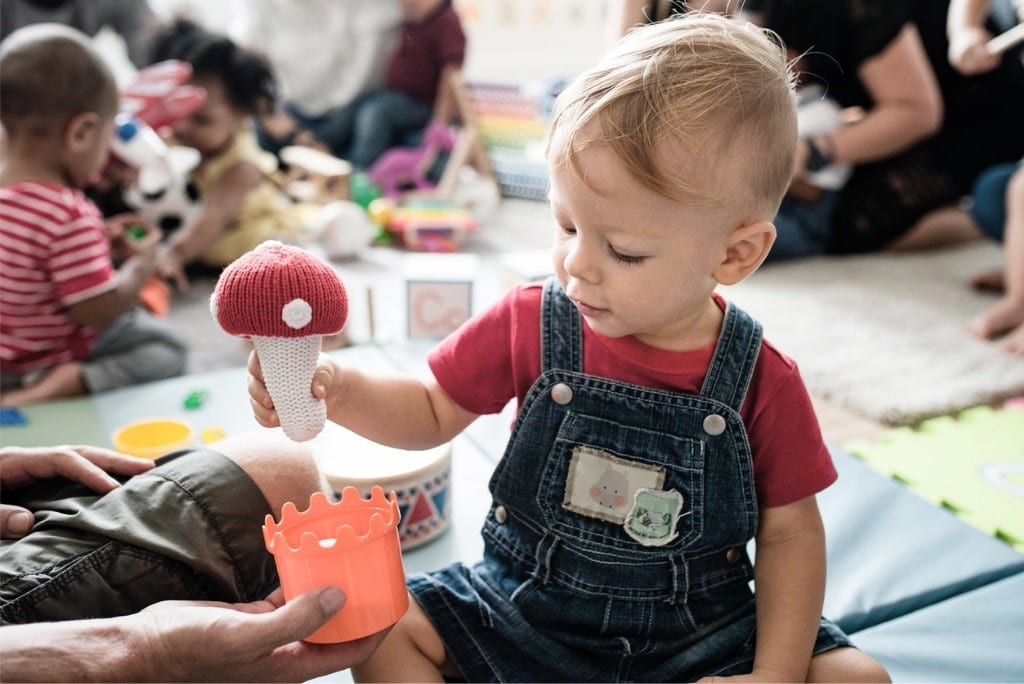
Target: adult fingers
[
  {"x": 297, "y": 619},
  {"x": 15, "y": 521},
  {"x": 26, "y": 467},
  {"x": 113, "y": 461}
]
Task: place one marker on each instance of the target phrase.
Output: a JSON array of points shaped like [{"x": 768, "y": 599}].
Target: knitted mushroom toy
[{"x": 285, "y": 300}]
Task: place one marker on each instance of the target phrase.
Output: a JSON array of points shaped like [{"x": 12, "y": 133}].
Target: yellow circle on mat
[{"x": 152, "y": 438}]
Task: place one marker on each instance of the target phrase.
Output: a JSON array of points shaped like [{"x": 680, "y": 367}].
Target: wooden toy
[
  {"x": 425, "y": 225},
  {"x": 315, "y": 176}
]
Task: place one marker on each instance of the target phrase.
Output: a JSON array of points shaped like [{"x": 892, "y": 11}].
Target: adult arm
[
  {"x": 187, "y": 641},
  {"x": 907, "y": 103}
]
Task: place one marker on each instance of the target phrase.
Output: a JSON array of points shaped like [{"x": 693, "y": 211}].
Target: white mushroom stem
[{"x": 288, "y": 365}]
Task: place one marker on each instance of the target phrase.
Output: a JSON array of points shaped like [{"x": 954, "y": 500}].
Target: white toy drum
[{"x": 421, "y": 480}]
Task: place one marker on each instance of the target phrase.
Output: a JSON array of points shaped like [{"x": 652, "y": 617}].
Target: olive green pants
[{"x": 188, "y": 529}]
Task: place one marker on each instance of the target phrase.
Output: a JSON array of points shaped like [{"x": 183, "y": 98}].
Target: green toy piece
[
  {"x": 362, "y": 190},
  {"x": 136, "y": 232},
  {"x": 195, "y": 400},
  {"x": 972, "y": 465}
]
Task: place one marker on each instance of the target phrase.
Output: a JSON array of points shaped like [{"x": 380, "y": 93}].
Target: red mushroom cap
[{"x": 277, "y": 290}]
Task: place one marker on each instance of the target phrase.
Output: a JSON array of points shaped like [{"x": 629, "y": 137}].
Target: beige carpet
[{"x": 885, "y": 335}]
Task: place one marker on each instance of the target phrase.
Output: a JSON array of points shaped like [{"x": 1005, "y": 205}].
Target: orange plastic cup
[{"x": 352, "y": 544}]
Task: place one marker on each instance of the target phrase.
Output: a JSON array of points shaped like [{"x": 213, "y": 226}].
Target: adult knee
[{"x": 282, "y": 469}]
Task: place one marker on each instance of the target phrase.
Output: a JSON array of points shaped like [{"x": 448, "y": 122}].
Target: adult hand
[
  {"x": 20, "y": 466},
  {"x": 967, "y": 51},
  {"x": 259, "y": 641}
]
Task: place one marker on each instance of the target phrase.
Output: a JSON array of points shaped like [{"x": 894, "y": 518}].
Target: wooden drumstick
[{"x": 1006, "y": 40}]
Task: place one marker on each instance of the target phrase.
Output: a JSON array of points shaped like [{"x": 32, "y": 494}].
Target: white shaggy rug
[{"x": 885, "y": 335}]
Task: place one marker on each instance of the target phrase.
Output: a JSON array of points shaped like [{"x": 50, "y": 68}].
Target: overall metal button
[
  {"x": 732, "y": 555},
  {"x": 561, "y": 393},
  {"x": 714, "y": 424},
  {"x": 500, "y": 514}
]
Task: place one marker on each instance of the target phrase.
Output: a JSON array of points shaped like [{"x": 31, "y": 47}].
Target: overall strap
[
  {"x": 732, "y": 364},
  {"x": 561, "y": 333}
]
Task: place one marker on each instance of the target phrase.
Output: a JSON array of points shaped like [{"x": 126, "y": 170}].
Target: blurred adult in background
[
  {"x": 924, "y": 134},
  {"x": 133, "y": 20},
  {"x": 325, "y": 54},
  {"x": 623, "y": 15}
]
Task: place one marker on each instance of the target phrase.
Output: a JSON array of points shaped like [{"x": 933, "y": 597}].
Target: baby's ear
[
  {"x": 80, "y": 130},
  {"x": 745, "y": 249}
]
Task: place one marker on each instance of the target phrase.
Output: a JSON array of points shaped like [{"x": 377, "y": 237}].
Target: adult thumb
[
  {"x": 307, "y": 612},
  {"x": 15, "y": 521}
]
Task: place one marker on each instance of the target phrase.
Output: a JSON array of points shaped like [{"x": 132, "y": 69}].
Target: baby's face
[
  {"x": 85, "y": 164},
  {"x": 634, "y": 262},
  {"x": 209, "y": 128}
]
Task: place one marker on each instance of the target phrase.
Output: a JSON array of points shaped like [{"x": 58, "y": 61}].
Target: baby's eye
[
  {"x": 624, "y": 258},
  {"x": 568, "y": 230}
]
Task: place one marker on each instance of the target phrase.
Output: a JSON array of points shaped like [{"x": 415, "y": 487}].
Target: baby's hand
[
  {"x": 170, "y": 267},
  {"x": 326, "y": 380},
  {"x": 141, "y": 239}
]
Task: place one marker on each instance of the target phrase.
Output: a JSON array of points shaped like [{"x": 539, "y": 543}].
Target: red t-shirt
[
  {"x": 426, "y": 48},
  {"x": 53, "y": 253},
  {"x": 496, "y": 356}
]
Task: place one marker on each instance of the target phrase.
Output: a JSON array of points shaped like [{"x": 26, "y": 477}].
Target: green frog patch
[{"x": 653, "y": 517}]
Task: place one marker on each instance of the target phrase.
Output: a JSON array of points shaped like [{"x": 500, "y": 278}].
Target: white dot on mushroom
[{"x": 297, "y": 313}]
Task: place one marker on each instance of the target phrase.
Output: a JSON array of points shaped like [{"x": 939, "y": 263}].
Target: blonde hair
[{"x": 701, "y": 88}]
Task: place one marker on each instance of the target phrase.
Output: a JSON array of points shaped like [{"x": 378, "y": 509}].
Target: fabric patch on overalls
[
  {"x": 652, "y": 520},
  {"x": 601, "y": 485}
]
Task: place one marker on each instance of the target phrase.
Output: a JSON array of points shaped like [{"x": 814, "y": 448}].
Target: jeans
[
  {"x": 802, "y": 227},
  {"x": 362, "y": 130}
]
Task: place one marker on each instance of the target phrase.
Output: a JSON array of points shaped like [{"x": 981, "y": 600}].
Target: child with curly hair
[{"x": 242, "y": 204}]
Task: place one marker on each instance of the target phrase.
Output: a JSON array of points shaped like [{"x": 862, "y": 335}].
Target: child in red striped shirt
[{"x": 69, "y": 323}]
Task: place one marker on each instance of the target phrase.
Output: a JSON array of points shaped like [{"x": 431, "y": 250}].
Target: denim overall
[{"x": 615, "y": 547}]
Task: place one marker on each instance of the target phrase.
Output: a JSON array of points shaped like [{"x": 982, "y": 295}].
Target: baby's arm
[
  {"x": 222, "y": 205},
  {"x": 103, "y": 309},
  {"x": 394, "y": 410},
  {"x": 789, "y": 580}
]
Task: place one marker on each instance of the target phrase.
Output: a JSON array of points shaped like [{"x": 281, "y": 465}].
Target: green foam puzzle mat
[{"x": 972, "y": 464}]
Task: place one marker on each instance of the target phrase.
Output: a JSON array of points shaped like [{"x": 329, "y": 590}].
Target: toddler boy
[{"x": 70, "y": 324}]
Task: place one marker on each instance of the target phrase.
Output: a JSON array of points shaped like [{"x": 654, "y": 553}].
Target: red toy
[{"x": 285, "y": 300}]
